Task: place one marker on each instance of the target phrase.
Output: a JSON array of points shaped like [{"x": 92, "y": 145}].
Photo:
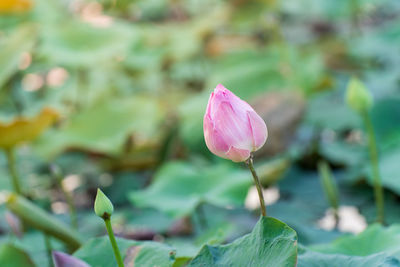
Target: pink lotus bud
[
  {"x": 64, "y": 260},
  {"x": 232, "y": 129}
]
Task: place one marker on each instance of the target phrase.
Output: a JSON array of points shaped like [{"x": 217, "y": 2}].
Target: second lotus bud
[
  {"x": 358, "y": 97},
  {"x": 103, "y": 206}
]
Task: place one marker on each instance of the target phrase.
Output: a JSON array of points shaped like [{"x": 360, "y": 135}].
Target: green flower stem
[
  {"x": 36, "y": 217},
  {"x": 12, "y": 170},
  {"x": 114, "y": 245},
  {"x": 249, "y": 163},
  {"x": 337, "y": 218},
  {"x": 373, "y": 152},
  {"x": 47, "y": 244}
]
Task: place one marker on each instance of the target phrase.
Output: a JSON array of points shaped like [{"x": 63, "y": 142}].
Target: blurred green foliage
[{"x": 130, "y": 81}]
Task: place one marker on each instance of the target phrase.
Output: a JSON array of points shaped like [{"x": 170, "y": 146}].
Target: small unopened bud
[
  {"x": 64, "y": 260},
  {"x": 358, "y": 97},
  {"x": 103, "y": 206}
]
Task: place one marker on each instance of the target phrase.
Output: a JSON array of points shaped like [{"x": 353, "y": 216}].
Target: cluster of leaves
[{"x": 127, "y": 83}]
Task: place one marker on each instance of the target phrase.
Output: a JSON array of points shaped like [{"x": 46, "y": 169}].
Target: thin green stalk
[
  {"x": 330, "y": 188},
  {"x": 114, "y": 245},
  {"x": 249, "y": 163},
  {"x": 71, "y": 206},
  {"x": 67, "y": 195},
  {"x": 12, "y": 170},
  {"x": 201, "y": 216},
  {"x": 337, "y": 218},
  {"x": 49, "y": 249},
  {"x": 373, "y": 152},
  {"x": 355, "y": 12}
]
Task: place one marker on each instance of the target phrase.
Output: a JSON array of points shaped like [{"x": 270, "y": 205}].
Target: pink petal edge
[
  {"x": 258, "y": 128},
  {"x": 237, "y": 154}
]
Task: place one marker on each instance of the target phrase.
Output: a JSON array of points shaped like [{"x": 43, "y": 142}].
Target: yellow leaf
[
  {"x": 24, "y": 130},
  {"x": 12, "y": 6}
]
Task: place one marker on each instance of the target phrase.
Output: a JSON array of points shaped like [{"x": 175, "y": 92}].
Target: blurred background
[{"x": 112, "y": 94}]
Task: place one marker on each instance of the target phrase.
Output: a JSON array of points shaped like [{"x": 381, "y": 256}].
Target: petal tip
[{"x": 220, "y": 87}]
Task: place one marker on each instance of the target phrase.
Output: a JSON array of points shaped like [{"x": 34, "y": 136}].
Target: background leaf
[
  {"x": 12, "y": 256},
  {"x": 98, "y": 253},
  {"x": 315, "y": 259},
  {"x": 178, "y": 188}
]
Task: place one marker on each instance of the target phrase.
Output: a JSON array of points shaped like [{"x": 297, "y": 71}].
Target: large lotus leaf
[
  {"x": 368, "y": 208},
  {"x": 301, "y": 190},
  {"x": 12, "y": 256},
  {"x": 20, "y": 41},
  {"x": 79, "y": 44},
  {"x": 387, "y": 129},
  {"x": 222, "y": 226},
  {"x": 313, "y": 8},
  {"x": 98, "y": 253},
  {"x": 182, "y": 41},
  {"x": 104, "y": 127},
  {"x": 336, "y": 115},
  {"x": 316, "y": 259},
  {"x": 191, "y": 112},
  {"x": 178, "y": 188},
  {"x": 248, "y": 73},
  {"x": 24, "y": 129},
  {"x": 50, "y": 12},
  {"x": 271, "y": 243},
  {"x": 375, "y": 239},
  {"x": 33, "y": 243},
  {"x": 344, "y": 153},
  {"x": 380, "y": 43},
  {"x": 389, "y": 170},
  {"x": 303, "y": 223},
  {"x": 179, "y": 41}
]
